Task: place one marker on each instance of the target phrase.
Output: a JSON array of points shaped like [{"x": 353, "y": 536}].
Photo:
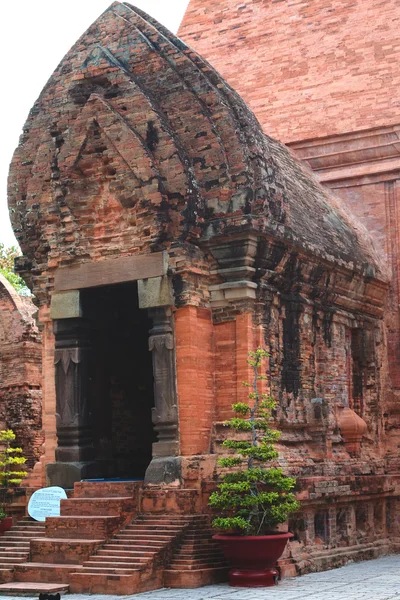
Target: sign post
[{"x": 46, "y": 503}]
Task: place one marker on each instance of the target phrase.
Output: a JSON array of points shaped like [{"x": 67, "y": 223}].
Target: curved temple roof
[{"x": 182, "y": 141}]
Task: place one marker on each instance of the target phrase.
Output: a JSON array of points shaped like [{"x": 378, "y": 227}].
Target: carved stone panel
[{"x": 71, "y": 358}]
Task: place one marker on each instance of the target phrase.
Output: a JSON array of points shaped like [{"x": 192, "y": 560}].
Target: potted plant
[
  {"x": 254, "y": 499},
  {"x": 10, "y": 459}
]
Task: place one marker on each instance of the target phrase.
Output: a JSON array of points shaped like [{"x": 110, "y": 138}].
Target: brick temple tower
[{"x": 165, "y": 236}]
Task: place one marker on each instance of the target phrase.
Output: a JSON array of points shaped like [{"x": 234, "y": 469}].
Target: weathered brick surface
[
  {"x": 307, "y": 69},
  {"x": 362, "y": 168},
  {"x": 20, "y": 375}
]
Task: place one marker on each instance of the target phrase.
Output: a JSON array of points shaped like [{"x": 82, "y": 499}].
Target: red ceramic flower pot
[
  {"x": 253, "y": 557},
  {"x": 5, "y": 524}
]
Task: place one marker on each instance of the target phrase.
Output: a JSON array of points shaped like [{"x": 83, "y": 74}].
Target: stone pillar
[
  {"x": 155, "y": 295},
  {"x": 72, "y": 354},
  {"x": 165, "y": 465},
  {"x": 165, "y": 411}
]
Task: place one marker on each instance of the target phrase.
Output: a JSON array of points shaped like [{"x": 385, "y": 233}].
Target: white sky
[{"x": 35, "y": 35}]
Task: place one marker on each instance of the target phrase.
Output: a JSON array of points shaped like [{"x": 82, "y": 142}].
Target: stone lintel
[
  {"x": 66, "y": 305},
  {"x": 155, "y": 291},
  {"x": 107, "y": 272}
]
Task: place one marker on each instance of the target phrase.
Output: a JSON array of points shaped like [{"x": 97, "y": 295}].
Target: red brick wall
[
  {"x": 306, "y": 68},
  {"x": 195, "y": 378}
]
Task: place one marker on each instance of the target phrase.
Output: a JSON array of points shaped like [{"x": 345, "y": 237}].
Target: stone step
[
  {"x": 203, "y": 539},
  {"x": 44, "y": 572},
  {"x": 159, "y": 521},
  {"x": 28, "y": 528},
  {"x": 148, "y": 534},
  {"x": 204, "y": 544},
  {"x": 8, "y": 552},
  {"x": 14, "y": 544},
  {"x": 101, "y": 499},
  {"x": 198, "y": 554},
  {"x": 199, "y": 547},
  {"x": 200, "y": 531},
  {"x": 13, "y": 559},
  {"x": 115, "y": 506},
  {"x": 97, "y": 583},
  {"x": 137, "y": 564},
  {"x": 141, "y": 520},
  {"x": 15, "y": 548},
  {"x": 152, "y": 533},
  {"x": 28, "y": 522},
  {"x": 140, "y": 528},
  {"x": 125, "y": 537},
  {"x": 107, "y": 489},
  {"x": 109, "y": 571},
  {"x": 201, "y": 534},
  {"x": 9, "y": 539},
  {"x": 171, "y": 515},
  {"x": 132, "y": 544},
  {"x": 12, "y": 534},
  {"x": 194, "y": 578},
  {"x": 18, "y": 588},
  {"x": 106, "y": 558},
  {"x": 151, "y": 546},
  {"x": 6, "y": 574},
  {"x": 99, "y": 527},
  {"x": 196, "y": 566},
  {"x": 128, "y": 553},
  {"x": 188, "y": 561}
]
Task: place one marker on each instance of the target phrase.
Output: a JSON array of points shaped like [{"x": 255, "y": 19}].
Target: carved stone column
[
  {"x": 75, "y": 451},
  {"x": 165, "y": 411},
  {"x": 164, "y": 468}
]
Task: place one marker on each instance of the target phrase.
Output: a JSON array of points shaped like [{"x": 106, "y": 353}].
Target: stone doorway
[{"x": 120, "y": 380}]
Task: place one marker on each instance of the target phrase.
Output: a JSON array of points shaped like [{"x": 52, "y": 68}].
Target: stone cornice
[
  {"x": 368, "y": 153},
  {"x": 267, "y": 262}
]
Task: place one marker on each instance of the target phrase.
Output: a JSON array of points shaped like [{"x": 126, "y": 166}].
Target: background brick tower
[{"x": 323, "y": 77}]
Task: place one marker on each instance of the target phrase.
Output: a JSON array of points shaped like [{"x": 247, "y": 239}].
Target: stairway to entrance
[
  {"x": 115, "y": 538},
  {"x": 197, "y": 560},
  {"x": 15, "y": 545}
]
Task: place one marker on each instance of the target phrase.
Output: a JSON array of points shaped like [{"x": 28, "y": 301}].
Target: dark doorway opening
[{"x": 121, "y": 380}]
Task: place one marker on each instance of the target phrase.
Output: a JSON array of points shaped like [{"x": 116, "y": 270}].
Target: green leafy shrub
[
  {"x": 254, "y": 499},
  {"x": 7, "y": 256},
  {"x": 11, "y": 460}
]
